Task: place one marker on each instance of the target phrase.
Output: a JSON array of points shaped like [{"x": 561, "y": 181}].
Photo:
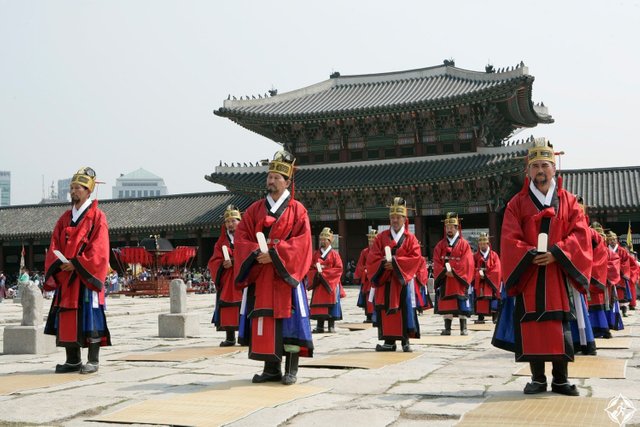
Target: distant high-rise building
[
  {"x": 139, "y": 183},
  {"x": 5, "y": 188},
  {"x": 63, "y": 189}
]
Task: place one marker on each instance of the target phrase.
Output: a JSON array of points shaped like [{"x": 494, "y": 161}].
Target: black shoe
[
  {"x": 464, "y": 332},
  {"x": 566, "y": 389},
  {"x": 68, "y": 367},
  {"x": 607, "y": 335},
  {"x": 266, "y": 377},
  {"x": 478, "y": 322},
  {"x": 385, "y": 347},
  {"x": 407, "y": 348},
  {"x": 535, "y": 387},
  {"x": 318, "y": 330},
  {"x": 446, "y": 332},
  {"x": 632, "y": 308},
  {"x": 89, "y": 368},
  {"x": 227, "y": 343},
  {"x": 289, "y": 379}
]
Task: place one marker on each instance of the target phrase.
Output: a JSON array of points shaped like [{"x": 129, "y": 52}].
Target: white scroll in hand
[
  {"x": 481, "y": 273},
  {"x": 262, "y": 242},
  {"x": 319, "y": 267},
  {"x": 225, "y": 253},
  {"x": 60, "y": 256},
  {"x": 542, "y": 243},
  {"x": 448, "y": 267},
  {"x": 387, "y": 253}
]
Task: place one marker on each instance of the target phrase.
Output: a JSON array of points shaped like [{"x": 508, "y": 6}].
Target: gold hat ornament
[
  {"x": 541, "y": 150},
  {"x": 612, "y": 235},
  {"x": 232, "y": 212},
  {"x": 483, "y": 237},
  {"x": 282, "y": 163},
  {"x": 398, "y": 207},
  {"x": 85, "y": 177},
  {"x": 371, "y": 235},
  {"x": 451, "y": 219},
  {"x": 326, "y": 233}
]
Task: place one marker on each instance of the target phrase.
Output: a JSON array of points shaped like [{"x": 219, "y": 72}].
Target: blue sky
[{"x": 119, "y": 85}]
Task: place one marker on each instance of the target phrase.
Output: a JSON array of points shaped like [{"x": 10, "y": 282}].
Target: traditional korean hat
[
  {"x": 85, "y": 177},
  {"x": 232, "y": 212},
  {"x": 541, "y": 150},
  {"x": 452, "y": 219},
  {"x": 326, "y": 233},
  {"x": 282, "y": 163},
  {"x": 483, "y": 237},
  {"x": 398, "y": 207},
  {"x": 371, "y": 235},
  {"x": 611, "y": 235}
]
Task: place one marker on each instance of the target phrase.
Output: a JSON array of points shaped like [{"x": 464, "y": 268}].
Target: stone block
[
  {"x": 27, "y": 340},
  {"x": 178, "y": 325},
  {"x": 178, "y": 296}
]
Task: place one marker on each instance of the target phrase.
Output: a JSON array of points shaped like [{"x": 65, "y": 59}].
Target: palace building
[{"x": 442, "y": 137}]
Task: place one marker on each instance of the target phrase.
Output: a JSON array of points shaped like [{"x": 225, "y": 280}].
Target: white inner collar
[
  {"x": 276, "y": 205},
  {"x": 453, "y": 239},
  {"x": 75, "y": 213},
  {"x": 324, "y": 252},
  {"x": 396, "y": 236},
  {"x": 544, "y": 199}
]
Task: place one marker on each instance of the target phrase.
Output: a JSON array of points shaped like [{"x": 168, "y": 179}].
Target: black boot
[
  {"x": 480, "y": 320},
  {"x": 73, "y": 362},
  {"x": 623, "y": 309},
  {"x": 271, "y": 373},
  {"x": 368, "y": 319},
  {"x": 332, "y": 326},
  {"x": 494, "y": 317},
  {"x": 447, "y": 327},
  {"x": 406, "y": 347},
  {"x": 538, "y": 382},
  {"x": 291, "y": 369},
  {"x": 463, "y": 326},
  {"x": 230, "y": 341},
  {"x": 389, "y": 345},
  {"x": 93, "y": 359},
  {"x": 320, "y": 328},
  {"x": 560, "y": 383}
]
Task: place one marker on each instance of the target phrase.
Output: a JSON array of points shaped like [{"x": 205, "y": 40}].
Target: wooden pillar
[
  {"x": 29, "y": 260},
  {"x": 419, "y": 223},
  {"x": 494, "y": 230},
  {"x": 342, "y": 230},
  {"x": 1, "y": 255},
  {"x": 200, "y": 248}
]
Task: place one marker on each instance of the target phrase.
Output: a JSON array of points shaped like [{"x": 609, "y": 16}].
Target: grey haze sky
[{"x": 119, "y": 85}]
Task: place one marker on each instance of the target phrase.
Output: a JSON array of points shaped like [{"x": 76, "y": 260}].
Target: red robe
[
  {"x": 635, "y": 275},
  {"x": 625, "y": 273},
  {"x": 391, "y": 285},
  {"x": 613, "y": 273},
  {"x": 487, "y": 288},
  {"x": 451, "y": 290},
  {"x": 325, "y": 286},
  {"x": 86, "y": 245},
  {"x": 598, "y": 283},
  {"x": 288, "y": 236},
  {"x": 420, "y": 284},
  {"x": 361, "y": 277},
  {"x": 228, "y": 297},
  {"x": 542, "y": 310}
]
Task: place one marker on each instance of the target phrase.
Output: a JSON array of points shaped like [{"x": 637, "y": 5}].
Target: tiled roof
[
  {"x": 176, "y": 212},
  {"x": 375, "y": 174},
  {"x": 610, "y": 188},
  {"x": 371, "y": 94}
]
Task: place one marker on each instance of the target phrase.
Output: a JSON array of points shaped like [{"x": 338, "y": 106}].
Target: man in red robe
[
  {"x": 392, "y": 263},
  {"x": 635, "y": 276},
  {"x": 546, "y": 245},
  {"x": 272, "y": 257},
  {"x": 488, "y": 278},
  {"x": 599, "y": 296},
  {"x": 76, "y": 266},
  {"x": 623, "y": 290},
  {"x": 226, "y": 315},
  {"x": 453, "y": 270},
  {"x": 323, "y": 280},
  {"x": 613, "y": 278},
  {"x": 365, "y": 297}
]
